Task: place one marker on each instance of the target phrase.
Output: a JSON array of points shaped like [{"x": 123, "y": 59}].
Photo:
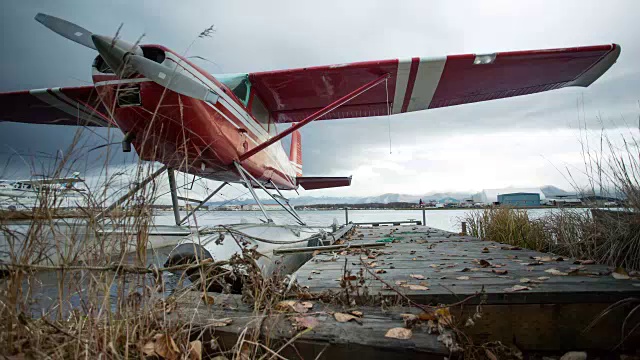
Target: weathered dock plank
[
  {"x": 329, "y": 339},
  {"x": 453, "y": 267},
  {"x": 528, "y": 295}
]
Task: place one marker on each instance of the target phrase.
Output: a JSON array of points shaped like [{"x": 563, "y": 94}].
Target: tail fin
[{"x": 295, "y": 152}]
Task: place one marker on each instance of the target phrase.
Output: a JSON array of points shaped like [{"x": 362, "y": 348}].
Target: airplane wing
[
  {"x": 427, "y": 83},
  {"x": 56, "y": 106}
]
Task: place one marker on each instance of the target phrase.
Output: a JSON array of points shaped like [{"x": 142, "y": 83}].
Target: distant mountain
[
  {"x": 380, "y": 199},
  {"x": 548, "y": 190},
  {"x": 552, "y": 191}
]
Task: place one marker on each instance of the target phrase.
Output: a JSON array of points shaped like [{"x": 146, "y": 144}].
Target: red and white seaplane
[{"x": 223, "y": 127}]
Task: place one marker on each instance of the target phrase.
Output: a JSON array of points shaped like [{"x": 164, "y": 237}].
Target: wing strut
[{"x": 316, "y": 115}]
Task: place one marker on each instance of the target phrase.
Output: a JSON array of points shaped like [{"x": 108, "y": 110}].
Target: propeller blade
[
  {"x": 172, "y": 79},
  {"x": 67, "y": 29}
]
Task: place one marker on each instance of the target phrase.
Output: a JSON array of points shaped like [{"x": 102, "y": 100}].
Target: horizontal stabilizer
[{"x": 317, "y": 182}]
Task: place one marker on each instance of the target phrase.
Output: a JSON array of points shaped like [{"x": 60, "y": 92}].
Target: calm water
[
  {"x": 441, "y": 219},
  {"x": 45, "y": 290}
]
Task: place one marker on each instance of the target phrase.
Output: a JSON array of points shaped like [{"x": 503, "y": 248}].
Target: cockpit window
[{"x": 239, "y": 85}]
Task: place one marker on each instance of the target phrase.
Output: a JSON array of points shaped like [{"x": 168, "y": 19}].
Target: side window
[
  {"x": 242, "y": 91},
  {"x": 260, "y": 112}
]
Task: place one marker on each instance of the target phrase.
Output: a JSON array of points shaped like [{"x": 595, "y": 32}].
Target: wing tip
[{"x": 592, "y": 74}]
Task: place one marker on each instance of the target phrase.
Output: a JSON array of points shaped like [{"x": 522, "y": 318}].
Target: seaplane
[{"x": 223, "y": 126}]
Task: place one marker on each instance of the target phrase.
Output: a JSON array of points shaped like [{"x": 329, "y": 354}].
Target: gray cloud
[{"x": 257, "y": 35}]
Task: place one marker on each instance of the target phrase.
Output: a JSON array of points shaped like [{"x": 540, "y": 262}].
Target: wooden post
[
  {"x": 424, "y": 217},
  {"x": 346, "y": 215},
  {"x": 464, "y": 228}
]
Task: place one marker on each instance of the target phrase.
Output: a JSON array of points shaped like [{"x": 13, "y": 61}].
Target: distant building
[
  {"x": 519, "y": 199},
  {"x": 490, "y": 196},
  {"x": 256, "y": 207}
]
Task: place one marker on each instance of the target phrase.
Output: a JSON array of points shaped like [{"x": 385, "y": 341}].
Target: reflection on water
[{"x": 46, "y": 286}]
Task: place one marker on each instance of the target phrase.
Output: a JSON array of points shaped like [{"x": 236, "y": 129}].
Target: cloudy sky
[{"x": 527, "y": 141}]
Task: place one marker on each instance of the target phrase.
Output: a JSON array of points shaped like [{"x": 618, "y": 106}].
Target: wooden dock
[{"x": 536, "y": 301}]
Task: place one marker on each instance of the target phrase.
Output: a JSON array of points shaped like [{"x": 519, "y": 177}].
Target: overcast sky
[{"x": 526, "y": 141}]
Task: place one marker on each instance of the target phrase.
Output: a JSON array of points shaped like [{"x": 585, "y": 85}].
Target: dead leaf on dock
[
  {"x": 462, "y": 278},
  {"x": 584, "y": 262},
  {"x": 548, "y": 258},
  {"x": 356, "y": 313},
  {"x": 163, "y": 346},
  {"x": 556, "y": 272},
  {"x": 195, "y": 350},
  {"x": 380, "y": 271},
  {"x": 409, "y": 320},
  {"x": 444, "y": 317},
  {"x": 517, "y": 288},
  {"x": 620, "y": 273},
  {"x": 208, "y": 299},
  {"x": 305, "y": 322},
  {"x": 499, "y": 272},
  {"x": 315, "y": 271},
  {"x": 485, "y": 250},
  {"x": 343, "y": 318},
  {"x": 293, "y": 305},
  {"x": 543, "y": 278},
  {"x": 417, "y": 276},
  {"x": 415, "y": 287},
  {"x": 220, "y": 322},
  {"x": 482, "y": 262},
  {"x": 399, "y": 333}
]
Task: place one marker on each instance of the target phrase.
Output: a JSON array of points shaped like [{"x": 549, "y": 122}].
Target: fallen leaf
[
  {"x": 525, "y": 280},
  {"x": 409, "y": 320},
  {"x": 434, "y": 265},
  {"x": 399, "y": 333},
  {"x": 315, "y": 271},
  {"x": 490, "y": 354},
  {"x": 556, "y": 272},
  {"x": 584, "y": 262},
  {"x": 220, "y": 322},
  {"x": 465, "y": 270},
  {"x": 511, "y": 248},
  {"x": 342, "y": 317},
  {"x": 306, "y": 304},
  {"x": 381, "y": 271},
  {"x": 162, "y": 346},
  {"x": 499, "y": 272},
  {"x": 462, "y": 278},
  {"x": 417, "y": 276},
  {"x": 195, "y": 350},
  {"x": 517, "y": 288},
  {"x": 620, "y": 273},
  {"x": 357, "y": 313},
  {"x": 400, "y": 282},
  {"x": 372, "y": 264},
  {"x": 305, "y": 322},
  {"x": 574, "y": 355},
  {"x": 350, "y": 277},
  {"x": 543, "y": 278},
  {"x": 482, "y": 262},
  {"x": 417, "y": 287},
  {"x": 444, "y": 316},
  {"x": 426, "y": 316},
  {"x": 208, "y": 299},
  {"x": 485, "y": 250}
]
